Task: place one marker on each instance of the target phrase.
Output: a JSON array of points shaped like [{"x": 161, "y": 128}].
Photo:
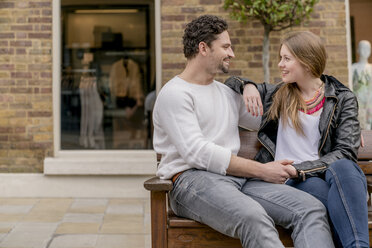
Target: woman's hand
[{"x": 252, "y": 100}]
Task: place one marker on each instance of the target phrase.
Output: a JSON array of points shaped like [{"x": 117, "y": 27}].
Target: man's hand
[
  {"x": 252, "y": 100},
  {"x": 279, "y": 171}
]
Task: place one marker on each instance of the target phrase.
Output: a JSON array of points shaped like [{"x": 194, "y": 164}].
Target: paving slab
[
  {"x": 29, "y": 235},
  {"x": 74, "y": 241},
  {"x": 120, "y": 241},
  {"x": 15, "y": 209},
  {"x": 78, "y": 228},
  {"x": 83, "y": 218}
]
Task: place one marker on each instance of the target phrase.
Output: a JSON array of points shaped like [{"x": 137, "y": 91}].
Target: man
[{"x": 196, "y": 123}]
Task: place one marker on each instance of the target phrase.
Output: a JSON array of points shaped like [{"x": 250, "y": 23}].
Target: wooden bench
[{"x": 169, "y": 230}]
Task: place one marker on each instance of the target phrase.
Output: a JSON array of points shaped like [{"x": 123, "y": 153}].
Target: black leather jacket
[{"x": 339, "y": 126}]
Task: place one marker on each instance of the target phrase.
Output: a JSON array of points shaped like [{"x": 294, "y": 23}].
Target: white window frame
[
  {"x": 97, "y": 162},
  {"x": 348, "y": 43}
]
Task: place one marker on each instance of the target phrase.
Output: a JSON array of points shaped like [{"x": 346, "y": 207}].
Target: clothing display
[
  {"x": 125, "y": 83},
  {"x": 91, "y": 130}
]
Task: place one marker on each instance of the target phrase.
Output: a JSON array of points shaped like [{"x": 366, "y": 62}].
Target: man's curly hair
[{"x": 204, "y": 28}]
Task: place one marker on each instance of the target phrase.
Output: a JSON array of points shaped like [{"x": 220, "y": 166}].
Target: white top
[
  {"x": 196, "y": 126},
  {"x": 294, "y": 146}
]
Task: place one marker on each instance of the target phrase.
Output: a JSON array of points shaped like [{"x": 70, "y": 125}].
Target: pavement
[{"x": 74, "y": 223}]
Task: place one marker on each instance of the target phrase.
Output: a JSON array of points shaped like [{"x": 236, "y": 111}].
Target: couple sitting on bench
[{"x": 308, "y": 129}]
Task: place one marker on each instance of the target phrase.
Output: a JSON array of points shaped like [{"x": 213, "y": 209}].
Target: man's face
[{"x": 221, "y": 53}]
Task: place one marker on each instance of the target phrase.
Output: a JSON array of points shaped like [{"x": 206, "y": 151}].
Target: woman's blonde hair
[{"x": 309, "y": 50}]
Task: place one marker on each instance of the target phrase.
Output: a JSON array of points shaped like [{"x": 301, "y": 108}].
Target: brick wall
[
  {"x": 328, "y": 21},
  {"x": 26, "y": 127}
]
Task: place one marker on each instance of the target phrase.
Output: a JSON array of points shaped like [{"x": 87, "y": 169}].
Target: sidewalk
[{"x": 74, "y": 223}]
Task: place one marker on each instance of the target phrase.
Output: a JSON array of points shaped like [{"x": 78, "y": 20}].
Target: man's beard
[{"x": 224, "y": 69}]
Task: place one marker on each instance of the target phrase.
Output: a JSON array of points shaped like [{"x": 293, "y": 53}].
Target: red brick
[
  {"x": 20, "y": 90},
  {"x": 4, "y": 5},
  {"x": 16, "y": 137},
  {"x": 173, "y": 65},
  {"x": 21, "y": 35},
  {"x": 20, "y": 51},
  {"x": 6, "y": 98},
  {"x": 3, "y": 43},
  {"x": 46, "y": 75},
  {"x": 21, "y": 27},
  {"x": 39, "y": 35},
  {"x": 172, "y": 50},
  {"x": 39, "y": 4},
  {"x": 39, "y": 114},
  {"x": 255, "y": 64},
  {"x": 46, "y": 28},
  {"x": 235, "y": 41},
  {"x": 4, "y": 90},
  {"x": 21, "y": 75},
  {"x": 4, "y": 138},
  {"x": 6, "y": 130},
  {"x": 40, "y": 20},
  {"x": 19, "y": 129},
  {"x": 21, "y": 145},
  {"x": 6, "y": 51},
  {"x": 255, "y": 49},
  {"x": 21, "y": 43},
  {"x": 6, "y": 67},
  {"x": 21, "y": 20},
  {"x": 6, "y": 82},
  {"x": 6, "y": 35},
  {"x": 216, "y": 2},
  {"x": 41, "y": 145},
  {"x": 46, "y": 90},
  {"x": 46, "y": 12},
  {"x": 192, "y": 10},
  {"x": 38, "y": 67},
  {"x": 20, "y": 106},
  {"x": 173, "y": 18}
]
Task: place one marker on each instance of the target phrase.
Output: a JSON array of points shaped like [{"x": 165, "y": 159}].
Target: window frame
[{"x": 83, "y": 162}]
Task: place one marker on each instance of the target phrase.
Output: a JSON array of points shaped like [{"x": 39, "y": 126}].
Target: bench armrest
[{"x": 157, "y": 184}]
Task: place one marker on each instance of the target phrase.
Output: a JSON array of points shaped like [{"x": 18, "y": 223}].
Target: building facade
[{"x": 52, "y": 51}]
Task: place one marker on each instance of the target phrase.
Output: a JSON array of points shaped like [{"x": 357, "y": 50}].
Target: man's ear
[{"x": 203, "y": 47}]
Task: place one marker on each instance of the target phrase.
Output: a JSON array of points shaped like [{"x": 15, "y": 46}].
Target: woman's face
[{"x": 291, "y": 69}]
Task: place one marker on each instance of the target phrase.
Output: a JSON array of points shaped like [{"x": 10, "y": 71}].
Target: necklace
[{"x": 316, "y": 102}]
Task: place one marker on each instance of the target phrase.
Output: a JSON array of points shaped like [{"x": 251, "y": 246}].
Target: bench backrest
[{"x": 250, "y": 146}]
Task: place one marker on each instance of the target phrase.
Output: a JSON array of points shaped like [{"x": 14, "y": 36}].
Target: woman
[{"x": 311, "y": 118}]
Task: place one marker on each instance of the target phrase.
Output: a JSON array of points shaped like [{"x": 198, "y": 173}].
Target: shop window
[{"x": 107, "y": 77}]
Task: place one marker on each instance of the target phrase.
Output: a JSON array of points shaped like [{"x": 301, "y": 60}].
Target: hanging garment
[
  {"x": 91, "y": 129},
  {"x": 125, "y": 81}
]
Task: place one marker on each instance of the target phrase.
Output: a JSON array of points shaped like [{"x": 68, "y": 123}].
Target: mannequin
[{"x": 362, "y": 84}]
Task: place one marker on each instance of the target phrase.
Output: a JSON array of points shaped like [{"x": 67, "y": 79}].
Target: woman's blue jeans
[{"x": 344, "y": 193}]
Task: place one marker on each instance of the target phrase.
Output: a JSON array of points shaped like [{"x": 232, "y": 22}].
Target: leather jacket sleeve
[
  {"x": 237, "y": 84},
  {"x": 342, "y": 138}
]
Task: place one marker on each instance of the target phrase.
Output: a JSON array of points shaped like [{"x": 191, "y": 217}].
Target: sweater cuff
[{"x": 220, "y": 160}]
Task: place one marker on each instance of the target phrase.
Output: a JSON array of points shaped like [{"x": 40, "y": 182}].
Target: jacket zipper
[
  {"x": 269, "y": 150},
  {"x": 303, "y": 172},
  {"x": 329, "y": 124}
]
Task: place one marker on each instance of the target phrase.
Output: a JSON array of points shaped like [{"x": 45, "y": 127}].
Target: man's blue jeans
[
  {"x": 344, "y": 193},
  {"x": 248, "y": 208}
]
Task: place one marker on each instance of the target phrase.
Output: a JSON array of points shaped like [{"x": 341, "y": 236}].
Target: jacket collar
[{"x": 329, "y": 89}]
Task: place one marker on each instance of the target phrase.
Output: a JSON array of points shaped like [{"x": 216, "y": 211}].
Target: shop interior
[{"x": 108, "y": 74}]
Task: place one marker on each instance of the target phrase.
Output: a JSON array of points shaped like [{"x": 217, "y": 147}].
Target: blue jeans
[
  {"x": 344, "y": 193},
  {"x": 248, "y": 209}
]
